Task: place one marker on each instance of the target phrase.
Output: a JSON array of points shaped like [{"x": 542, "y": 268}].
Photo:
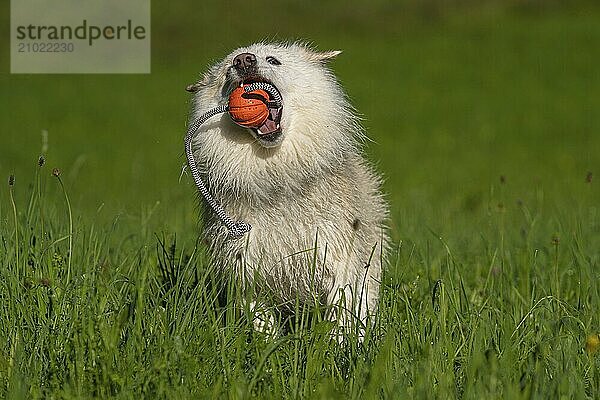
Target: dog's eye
[{"x": 273, "y": 61}]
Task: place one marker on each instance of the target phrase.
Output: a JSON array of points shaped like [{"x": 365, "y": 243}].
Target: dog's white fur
[{"x": 314, "y": 203}]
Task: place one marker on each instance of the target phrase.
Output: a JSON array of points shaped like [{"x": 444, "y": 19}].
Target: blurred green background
[
  {"x": 484, "y": 119},
  {"x": 454, "y": 95}
]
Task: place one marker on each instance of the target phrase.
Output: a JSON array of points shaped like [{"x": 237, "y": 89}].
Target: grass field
[{"x": 485, "y": 123}]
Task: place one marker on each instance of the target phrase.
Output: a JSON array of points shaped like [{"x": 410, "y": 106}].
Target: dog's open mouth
[{"x": 270, "y": 130}]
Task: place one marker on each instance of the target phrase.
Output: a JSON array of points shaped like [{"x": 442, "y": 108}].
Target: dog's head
[
  {"x": 317, "y": 130},
  {"x": 299, "y": 73}
]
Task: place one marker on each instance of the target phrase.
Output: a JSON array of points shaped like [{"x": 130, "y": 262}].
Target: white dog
[{"x": 314, "y": 203}]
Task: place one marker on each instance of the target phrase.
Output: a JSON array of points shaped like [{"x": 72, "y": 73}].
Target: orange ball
[{"x": 248, "y": 109}]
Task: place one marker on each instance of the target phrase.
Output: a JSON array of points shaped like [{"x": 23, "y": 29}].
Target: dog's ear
[
  {"x": 193, "y": 87},
  {"x": 325, "y": 57},
  {"x": 205, "y": 80}
]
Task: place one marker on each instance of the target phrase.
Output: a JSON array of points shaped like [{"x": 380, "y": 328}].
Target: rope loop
[{"x": 236, "y": 229}]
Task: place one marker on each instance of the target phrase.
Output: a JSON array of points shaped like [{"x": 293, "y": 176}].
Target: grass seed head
[
  {"x": 11, "y": 180},
  {"x": 56, "y": 172},
  {"x": 592, "y": 344}
]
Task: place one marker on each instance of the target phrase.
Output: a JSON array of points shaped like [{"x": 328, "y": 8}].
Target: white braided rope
[
  {"x": 236, "y": 229},
  {"x": 267, "y": 87}
]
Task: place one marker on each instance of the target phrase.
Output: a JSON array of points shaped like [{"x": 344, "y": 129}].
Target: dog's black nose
[{"x": 244, "y": 62}]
